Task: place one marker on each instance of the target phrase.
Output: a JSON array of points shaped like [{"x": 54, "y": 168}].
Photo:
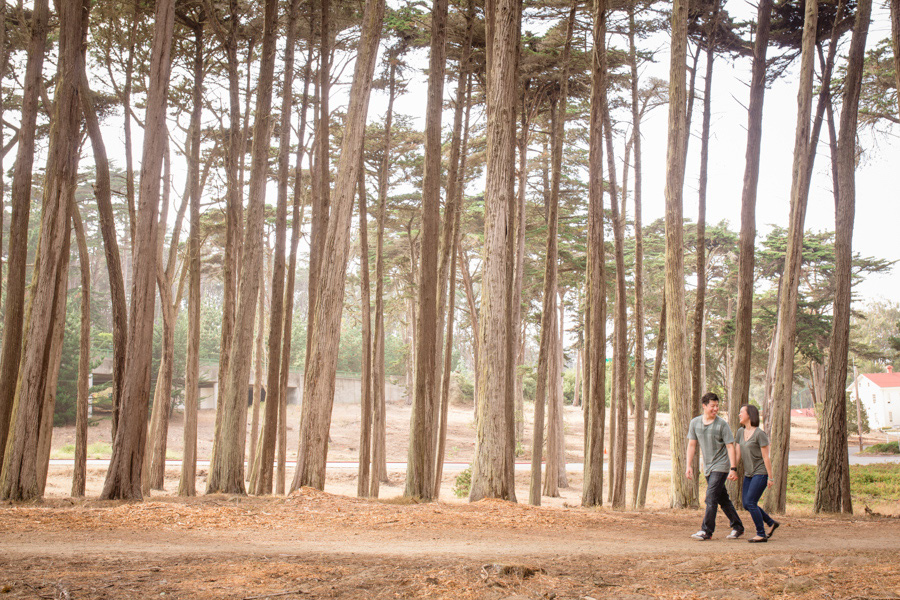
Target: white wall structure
[{"x": 880, "y": 397}]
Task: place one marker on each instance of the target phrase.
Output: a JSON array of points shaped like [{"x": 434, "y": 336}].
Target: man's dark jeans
[
  {"x": 753, "y": 489},
  {"x": 717, "y": 495}
]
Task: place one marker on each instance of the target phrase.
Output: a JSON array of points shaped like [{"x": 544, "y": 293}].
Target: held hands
[
  {"x": 770, "y": 482},
  {"x": 732, "y": 475},
  {"x": 689, "y": 472}
]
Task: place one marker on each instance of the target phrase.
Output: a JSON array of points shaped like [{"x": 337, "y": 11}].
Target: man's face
[{"x": 711, "y": 409}]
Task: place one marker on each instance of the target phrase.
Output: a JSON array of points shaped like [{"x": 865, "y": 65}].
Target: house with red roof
[{"x": 879, "y": 394}]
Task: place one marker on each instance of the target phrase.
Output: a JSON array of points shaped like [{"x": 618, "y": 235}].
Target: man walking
[{"x": 717, "y": 445}]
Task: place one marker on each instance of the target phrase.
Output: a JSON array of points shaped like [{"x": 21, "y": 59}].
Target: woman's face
[{"x": 744, "y": 417}]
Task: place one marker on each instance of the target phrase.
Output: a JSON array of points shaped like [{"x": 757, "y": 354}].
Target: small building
[{"x": 879, "y": 394}]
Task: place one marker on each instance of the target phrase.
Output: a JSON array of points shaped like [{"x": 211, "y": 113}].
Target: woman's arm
[{"x": 768, "y": 463}]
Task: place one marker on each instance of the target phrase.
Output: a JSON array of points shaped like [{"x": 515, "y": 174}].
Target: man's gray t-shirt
[
  {"x": 751, "y": 451},
  {"x": 712, "y": 439}
]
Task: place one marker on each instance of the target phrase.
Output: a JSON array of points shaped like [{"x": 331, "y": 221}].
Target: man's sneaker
[
  {"x": 701, "y": 535},
  {"x": 735, "y": 534}
]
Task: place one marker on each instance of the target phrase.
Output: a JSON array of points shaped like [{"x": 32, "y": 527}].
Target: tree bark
[
  {"x": 449, "y": 237},
  {"x": 296, "y": 226},
  {"x": 595, "y": 315},
  {"x": 318, "y": 396},
  {"x": 639, "y": 367},
  {"x": 379, "y": 464},
  {"x": 20, "y": 194},
  {"x": 123, "y": 479},
  {"x": 620, "y": 352},
  {"x": 276, "y": 311},
  {"x": 832, "y": 463},
  {"x": 79, "y": 474},
  {"x": 423, "y": 421},
  {"x": 226, "y": 471},
  {"x": 490, "y": 471},
  {"x": 679, "y": 390},
  {"x": 780, "y": 427},
  {"x": 365, "y": 429},
  {"x": 187, "y": 484},
  {"x": 31, "y": 420},
  {"x": 103, "y": 193}
]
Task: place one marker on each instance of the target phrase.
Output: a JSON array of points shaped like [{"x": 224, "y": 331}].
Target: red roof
[{"x": 884, "y": 380}]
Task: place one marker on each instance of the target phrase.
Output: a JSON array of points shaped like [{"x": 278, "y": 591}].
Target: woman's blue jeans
[{"x": 753, "y": 489}]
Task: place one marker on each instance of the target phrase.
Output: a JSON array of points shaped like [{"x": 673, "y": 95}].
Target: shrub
[{"x": 463, "y": 483}]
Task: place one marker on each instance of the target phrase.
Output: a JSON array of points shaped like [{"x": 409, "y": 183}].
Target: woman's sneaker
[{"x": 701, "y": 535}]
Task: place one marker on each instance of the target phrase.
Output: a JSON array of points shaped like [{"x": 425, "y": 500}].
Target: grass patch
[
  {"x": 868, "y": 484},
  {"x": 885, "y": 448},
  {"x": 95, "y": 450}
]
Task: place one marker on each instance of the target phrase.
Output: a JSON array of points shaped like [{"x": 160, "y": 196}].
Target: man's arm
[
  {"x": 732, "y": 474},
  {"x": 689, "y": 459}
]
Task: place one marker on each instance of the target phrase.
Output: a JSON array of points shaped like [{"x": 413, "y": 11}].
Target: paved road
[{"x": 797, "y": 457}]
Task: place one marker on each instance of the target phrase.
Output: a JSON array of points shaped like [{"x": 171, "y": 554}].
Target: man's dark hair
[
  {"x": 709, "y": 397},
  {"x": 753, "y": 413}
]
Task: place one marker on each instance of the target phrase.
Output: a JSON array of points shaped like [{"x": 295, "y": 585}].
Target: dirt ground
[
  {"x": 317, "y": 545},
  {"x": 329, "y": 544}
]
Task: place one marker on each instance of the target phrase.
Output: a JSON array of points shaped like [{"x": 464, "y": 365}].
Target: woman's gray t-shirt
[{"x": 751, "y": 451}]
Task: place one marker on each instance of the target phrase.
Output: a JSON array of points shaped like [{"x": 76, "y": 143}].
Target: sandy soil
[{"x": 317, "y": 545}]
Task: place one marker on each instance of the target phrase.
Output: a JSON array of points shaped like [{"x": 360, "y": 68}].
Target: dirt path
[{"x": 316, "y": 545}]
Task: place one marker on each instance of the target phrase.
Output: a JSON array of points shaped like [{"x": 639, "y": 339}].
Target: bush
[
  {"x": 463, "y": 483},
  {"x": 886, "y": 448}
]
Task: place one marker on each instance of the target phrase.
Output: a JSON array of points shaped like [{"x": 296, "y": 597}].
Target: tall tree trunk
[
  {"x": 136, "y": 18},
  {"x": 679, "y": 388},
  {"x": 254, "y": 455},
  {"x": 154, "y": 469},
  {"x": 226, "y": 471},
  {"x": 318, "y": 396},
  {"x": 103, "y": 193},
  {"x": 780, "y": 427},
  {"x": 296, "y": 226},
  {"x": 562, "y": 479},
  {"x": 490, "y": 472},
  {"x": 639, "y": 367},
  {"x": 449, "y": 241},
  {"x": 79, "y": 474},
  {"x": 187, "y": 484},
  {"x": 379, "y": 463},
  {"x": 365, "y": 380},
  {"x": 31, "y": 421},
  {"x": 276, "y": 310},
  {"x": 420, "y": 459},
  {"x": 45, "y": 427},
  {"x": 20, "y": 194},
  {"x": 832, "y": 462},
  {"x": 234, "y": 194},
  {"x": 322, "y": 181},
  {"x": 595, "y": 315},
  {"x": 740, "y": 387},
  {"x": 620, "y": 352},
  {"x": 698, "y": 353},
  {"x": 651, "y": 413}
]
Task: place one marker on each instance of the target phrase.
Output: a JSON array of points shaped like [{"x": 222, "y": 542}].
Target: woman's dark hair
[
  {"x": 753, "y": 413},
  {"x": 709, "y": 397}
]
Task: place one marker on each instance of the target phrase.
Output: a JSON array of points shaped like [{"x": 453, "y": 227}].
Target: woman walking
[{"x": 753, "y": 446}]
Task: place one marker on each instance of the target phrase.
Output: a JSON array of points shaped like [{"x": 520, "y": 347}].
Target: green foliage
[
  {"x": 884, "y": 448},
  {"x": 463, "y": 483},
  {"x": 466, "y": 386},
  {"x": 569, "y": 378},
  {"x": 868, "y": 483}
]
